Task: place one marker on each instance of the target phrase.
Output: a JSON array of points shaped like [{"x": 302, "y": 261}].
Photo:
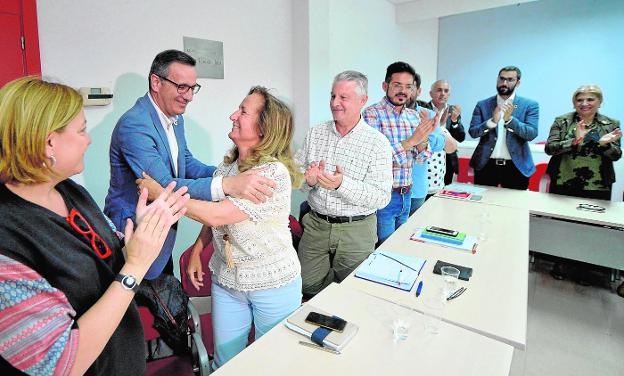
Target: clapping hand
[
  {"x": 313, "y": 171},
  {"x": 580, "y": 132},
  {"x": 143, "y": 244},
  {"x": 610, "y": 137},
  {"x": 455, "y": 113},
  {"x": 331, "y": 181}
]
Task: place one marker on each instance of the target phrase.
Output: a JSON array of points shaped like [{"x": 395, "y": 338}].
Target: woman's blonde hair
[
  {"x": 31, "y": 109},
  {"x": 587, "y": 89},
  {"x": 277, "y": 126}
]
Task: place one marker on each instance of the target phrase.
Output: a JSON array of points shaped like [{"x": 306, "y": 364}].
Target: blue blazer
[
  {"x": 138, "y": 144},
  {"x": 521, "y": 130}
]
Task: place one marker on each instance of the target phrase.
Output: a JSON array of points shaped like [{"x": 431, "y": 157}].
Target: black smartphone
[
  {"x": 325, "y": 321},
  {"x": 442, "y": 231}
]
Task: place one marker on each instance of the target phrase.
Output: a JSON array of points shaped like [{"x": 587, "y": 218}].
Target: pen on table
[
  {"x": 457, "y": 293},
  {"x": 419, "y": 288},
  {"x": 474, "y": 248},
  {"x": 393, "y": 259},
  {"x": 315, "y": 346}
]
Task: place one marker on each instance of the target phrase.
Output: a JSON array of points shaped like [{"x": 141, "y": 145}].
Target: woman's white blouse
[{"x": 262, "y": 247}]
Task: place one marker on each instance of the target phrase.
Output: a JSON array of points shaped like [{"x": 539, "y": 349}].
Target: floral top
[{"x": 262, "y": 248}]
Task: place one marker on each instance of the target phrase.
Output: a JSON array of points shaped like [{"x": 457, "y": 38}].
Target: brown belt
[{"x": 402, "y": 190}]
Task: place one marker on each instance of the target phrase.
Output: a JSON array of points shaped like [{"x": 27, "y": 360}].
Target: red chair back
[
  {"x": 147, "y": 319},
  {"x": 536, "y": 178},
  {"x": 184, "y": 277},
  {"x": 466, "y": 173}
]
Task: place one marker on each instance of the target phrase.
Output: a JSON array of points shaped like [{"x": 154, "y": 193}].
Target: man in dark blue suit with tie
[
  {"x": 150, "y": 138},
  {"x": 504, "y": 124}
]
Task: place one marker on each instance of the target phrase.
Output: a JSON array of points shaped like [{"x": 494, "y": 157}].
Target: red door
[{"x": 19, "y": 40}]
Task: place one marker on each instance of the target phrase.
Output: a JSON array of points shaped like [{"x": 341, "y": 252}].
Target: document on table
[
  {"x": 467, "y": 188},
  {"x": 391, "y": 269}
]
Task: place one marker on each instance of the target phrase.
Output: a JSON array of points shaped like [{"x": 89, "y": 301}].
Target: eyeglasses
[
  {"x": 182, "y": 88},
  {"x": 80, "y": 224},
  {"x": 397, "y": 86}
]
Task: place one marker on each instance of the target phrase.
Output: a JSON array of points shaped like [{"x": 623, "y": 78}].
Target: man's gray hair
[
  {"x": 440, "y": 82},
  {"x": 361, "y": 82}
]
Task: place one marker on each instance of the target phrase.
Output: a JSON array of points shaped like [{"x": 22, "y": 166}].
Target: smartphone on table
[
  {"x": 329, "y": 322},
  {"x": 442, "y": 231}
]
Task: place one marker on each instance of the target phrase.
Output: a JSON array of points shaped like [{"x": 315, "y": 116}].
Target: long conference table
[{"x": 481, "y": 328}]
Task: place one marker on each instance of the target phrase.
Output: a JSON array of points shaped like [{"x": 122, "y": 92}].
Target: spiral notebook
[{"x": 391, "y": 269}]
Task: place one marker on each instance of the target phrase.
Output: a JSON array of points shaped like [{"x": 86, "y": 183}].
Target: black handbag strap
[{"x": 163, "y": 305}]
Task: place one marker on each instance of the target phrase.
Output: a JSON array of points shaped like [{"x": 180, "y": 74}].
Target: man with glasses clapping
[{"x": 413, "y": 137}]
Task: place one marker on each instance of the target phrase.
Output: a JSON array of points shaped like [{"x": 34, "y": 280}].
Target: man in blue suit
[
  {"x": 505, "y": 124},
  {"x": 150, "y": 138}
]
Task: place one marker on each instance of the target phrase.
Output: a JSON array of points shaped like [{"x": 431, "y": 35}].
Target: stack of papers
[
  {"x": 459, "y": 239},
  {"x": 334, "y": 340},
  {"x": 391, "y": 269},
  {"x": 461, "y": 191},
  {"x": 469, "y": 243}
]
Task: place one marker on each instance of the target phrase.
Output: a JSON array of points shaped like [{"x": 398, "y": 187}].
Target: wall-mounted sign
[{"x": 209, "y": 56}]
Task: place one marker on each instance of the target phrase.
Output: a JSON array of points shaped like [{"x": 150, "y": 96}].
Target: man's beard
[
  {"x": 398, "y": 104},
  {"x": 505, "y": 90}
]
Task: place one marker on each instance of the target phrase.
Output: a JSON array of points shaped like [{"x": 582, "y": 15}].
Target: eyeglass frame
[
  {"x": 510, "y": 80},
  {"x": 397, "y": 86},
  {"x": 90, "y": 234},
  {"x": 180, "y": 87}
]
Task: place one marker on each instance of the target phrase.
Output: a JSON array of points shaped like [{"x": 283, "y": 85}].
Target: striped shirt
[
  {"x": 366, "y": 159},
  {"x": 36, "y": 320},
  {"x": 396, "y": 126}
]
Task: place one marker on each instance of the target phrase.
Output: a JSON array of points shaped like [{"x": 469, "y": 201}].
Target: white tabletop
[
  {"x": 453, "y": 351},
  {"x": 495, "y": 303},
  {"x": 553, "y": 205}
]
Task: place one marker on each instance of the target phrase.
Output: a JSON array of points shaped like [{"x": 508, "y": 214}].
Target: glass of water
[{"x": 450, "y": 275}]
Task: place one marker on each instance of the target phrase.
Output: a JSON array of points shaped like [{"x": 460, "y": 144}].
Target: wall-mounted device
[{"x": 96, "y": 96}]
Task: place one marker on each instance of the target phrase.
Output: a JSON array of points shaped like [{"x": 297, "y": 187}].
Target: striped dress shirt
[{"x": 396, "y": 126}]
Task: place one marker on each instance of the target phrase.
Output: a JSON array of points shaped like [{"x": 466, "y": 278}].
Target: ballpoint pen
[
  {"x": 315, "y": 346},
  {"x": 457, "y": 293},
  {"x": 392, "y": 258},
  {"x": 419, "y": 288},
  {"x": 474, "y": 248}
]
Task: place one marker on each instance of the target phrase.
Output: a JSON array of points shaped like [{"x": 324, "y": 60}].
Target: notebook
[
  {"x": 334, "y": 340},
  {"x": 469, "y": 243},
  {"x": 391, "y": 269},
  {"x": 459, "y": 239}
]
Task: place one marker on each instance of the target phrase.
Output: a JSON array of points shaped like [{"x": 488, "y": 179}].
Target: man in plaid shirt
[
  {"x": 412, "y": 138},
  {"x": 348, "y": 171}
]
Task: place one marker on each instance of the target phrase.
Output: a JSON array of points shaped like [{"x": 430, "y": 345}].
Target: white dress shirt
[
  {"x": 500, "y": 149},
  {"x": 168, "y": 124}
]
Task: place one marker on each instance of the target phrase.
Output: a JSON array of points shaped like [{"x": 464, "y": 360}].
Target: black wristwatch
[{"x": 128, "y": 282}]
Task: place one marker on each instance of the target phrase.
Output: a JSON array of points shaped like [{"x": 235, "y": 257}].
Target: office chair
[{"x": 195, "y": 363}]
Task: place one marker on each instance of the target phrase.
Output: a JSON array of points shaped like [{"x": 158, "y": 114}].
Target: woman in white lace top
[{"x": 256, "y": 275}]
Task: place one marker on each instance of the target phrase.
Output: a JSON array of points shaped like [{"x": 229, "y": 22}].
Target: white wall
[
  {"x": 112, "y": 43},
  {"x": 348, "y": 34},
  {"x": 419, "y": 47}
]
